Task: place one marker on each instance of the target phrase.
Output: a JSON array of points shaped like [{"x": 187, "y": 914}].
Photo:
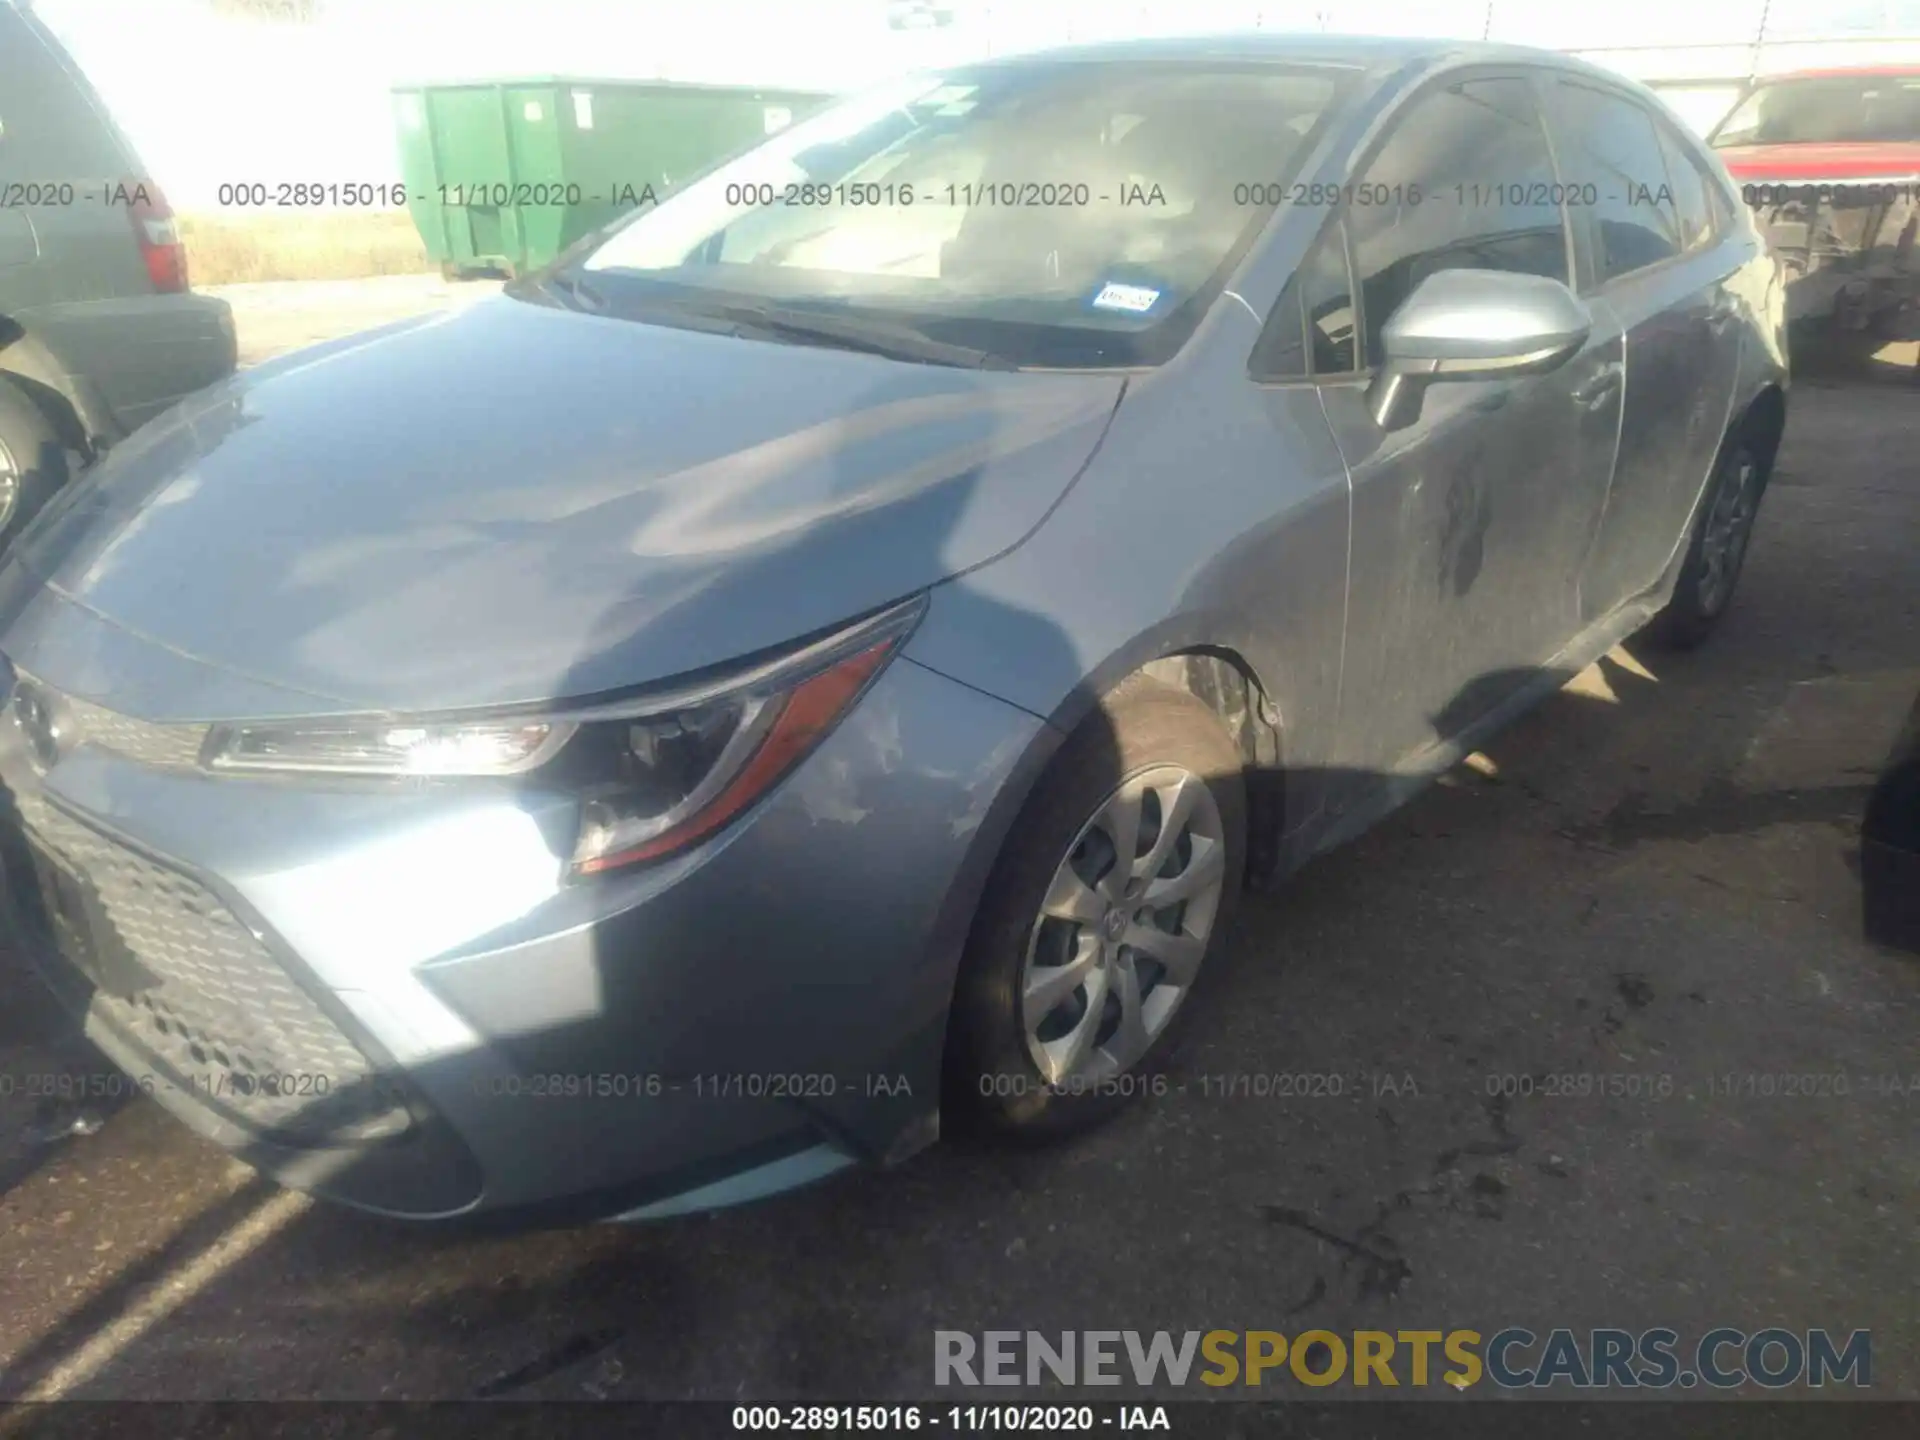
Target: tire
[
  {"x": 33, "y": 461},
  {"x": 1146, "y": 739},
  {"x": 1718, "y": 549}
]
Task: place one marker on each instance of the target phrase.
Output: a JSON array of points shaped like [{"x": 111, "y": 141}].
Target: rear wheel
[
  {"x": 1718, "y": 549},
  {"x": 33, "y": 461},
  {"x": 1116, "y": 884}
]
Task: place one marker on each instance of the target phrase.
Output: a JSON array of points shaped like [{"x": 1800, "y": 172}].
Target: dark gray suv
[{"x": 98, "y": 329}]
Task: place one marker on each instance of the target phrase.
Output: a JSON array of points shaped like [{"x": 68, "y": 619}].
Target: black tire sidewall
[
  {"x": 993, "y": 1086},
  {"x": 1685, "y": 623},
  {"x": 37, "y": 449}
]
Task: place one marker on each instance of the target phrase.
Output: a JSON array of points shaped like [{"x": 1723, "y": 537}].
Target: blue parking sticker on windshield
[{"x": 1134, "y": 299}]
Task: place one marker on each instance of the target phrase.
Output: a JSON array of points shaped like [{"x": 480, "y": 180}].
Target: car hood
[
  {"x": 513, "y": 503},
  {"x": 1874, "y": 161}
]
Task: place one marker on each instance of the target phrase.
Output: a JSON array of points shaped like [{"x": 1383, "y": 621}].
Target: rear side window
[
  {"x": 1609, "y": 147},
  {"x": 1691, "y": 196},
  {"x": 49, "y": 128},
  {"x": 1464, "y": 181}
]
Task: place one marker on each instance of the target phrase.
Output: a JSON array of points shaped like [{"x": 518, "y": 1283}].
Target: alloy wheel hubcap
[
  {"x": 1123, "y": 927},
  {"x": 1729, "y": 525}
]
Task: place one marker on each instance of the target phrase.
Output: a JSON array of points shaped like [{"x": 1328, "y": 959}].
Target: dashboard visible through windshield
[{"x": 1059, "y": 214}]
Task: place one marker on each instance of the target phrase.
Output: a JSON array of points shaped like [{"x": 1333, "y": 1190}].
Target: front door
[{"x": 1468, "y": 525}]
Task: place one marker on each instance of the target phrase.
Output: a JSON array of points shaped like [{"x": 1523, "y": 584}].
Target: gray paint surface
[
  {"x": 532, "y": 504},
  {"x": 519, "y": 504}
]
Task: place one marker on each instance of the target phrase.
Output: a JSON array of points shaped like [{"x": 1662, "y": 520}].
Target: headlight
[
  {"x": 653, "y": 775},
  {"x": 393, "y": 747}
]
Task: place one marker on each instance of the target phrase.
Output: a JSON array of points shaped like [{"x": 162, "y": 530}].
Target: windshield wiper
[
  {"x": 847, "y": 332},
  {"x": 842, "y": 332},
  {"x": 583, "y": 295}
]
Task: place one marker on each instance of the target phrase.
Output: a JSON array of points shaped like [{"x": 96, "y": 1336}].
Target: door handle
[{"x": 1591, "y": 394}]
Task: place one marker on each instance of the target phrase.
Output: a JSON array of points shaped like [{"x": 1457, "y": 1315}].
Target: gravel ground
[{"x": 1656, "y": 881}]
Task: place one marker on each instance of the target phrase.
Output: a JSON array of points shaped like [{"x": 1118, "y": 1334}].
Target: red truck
[{"x": 1830, "y": 162}]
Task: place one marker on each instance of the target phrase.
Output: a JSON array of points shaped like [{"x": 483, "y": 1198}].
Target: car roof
[
  {"x": 1399, "y": 62},
  {"x": 1370, "y": 52}
]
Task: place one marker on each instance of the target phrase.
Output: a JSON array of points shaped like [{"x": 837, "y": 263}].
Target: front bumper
[{"x": 390, "y": 997}]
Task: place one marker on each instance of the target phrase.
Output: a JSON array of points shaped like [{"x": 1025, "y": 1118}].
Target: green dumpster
[{"x": 503, "y": 175}]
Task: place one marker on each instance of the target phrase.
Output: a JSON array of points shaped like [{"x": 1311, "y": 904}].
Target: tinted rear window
[{"x": 1608, "y": 144}]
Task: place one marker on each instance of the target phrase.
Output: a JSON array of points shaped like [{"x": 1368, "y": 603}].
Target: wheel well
[
  {"x": 58, "y": 408},
  {"x": 1222, "y": 680}
]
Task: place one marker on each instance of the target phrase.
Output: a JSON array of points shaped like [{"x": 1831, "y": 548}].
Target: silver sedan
[{"x": 818, "y": 664}]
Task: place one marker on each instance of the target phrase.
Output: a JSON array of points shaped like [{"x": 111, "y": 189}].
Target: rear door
[
  {"x": 1659, "y": 287},
  {"x": 1707, "y": 219}
]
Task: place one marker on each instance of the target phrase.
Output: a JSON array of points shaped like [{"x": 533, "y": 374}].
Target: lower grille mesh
[{"x": 175, "y": 971}]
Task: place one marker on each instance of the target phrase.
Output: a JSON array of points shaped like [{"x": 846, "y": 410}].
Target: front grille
[
  {"x": 173, "y": 746},
  {"x": 172, "y": 969},
  {"x": 70, "y": 723}
]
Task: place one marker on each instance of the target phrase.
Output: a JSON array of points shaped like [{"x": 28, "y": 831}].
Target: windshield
[
  {"x": 1069, "y": 214},
  {"x": 1827, "y": 111}
]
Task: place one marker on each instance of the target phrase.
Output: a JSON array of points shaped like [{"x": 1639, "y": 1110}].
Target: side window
[
  {"x": 1311, "y": 333},
  {"x": 1608, "y": 147},
  {"x": 1465, "y": 181},
  {"x": 1690, "y": 192},
  {"x": 1327, "y": 296}
]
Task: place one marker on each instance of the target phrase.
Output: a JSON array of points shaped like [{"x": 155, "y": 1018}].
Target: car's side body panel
[
  {"x": 1376, "y": 701},
  {"x": 1230, "y": 533}
]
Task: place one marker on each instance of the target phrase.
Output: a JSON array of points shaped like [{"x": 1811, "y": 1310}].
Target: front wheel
[
  {"x": 1115, "y": 885},
  {"x": 1717, "y": 551}
]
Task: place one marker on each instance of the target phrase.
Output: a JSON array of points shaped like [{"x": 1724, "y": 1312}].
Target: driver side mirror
[{"x": 1473, "y": 325}]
